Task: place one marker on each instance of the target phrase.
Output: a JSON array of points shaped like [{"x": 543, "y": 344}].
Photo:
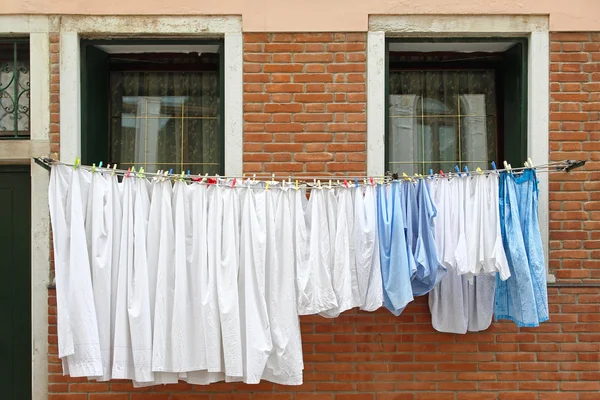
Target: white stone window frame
[
  {"x": 534, "y": 28},
  {"x": 73, "y": 28}
]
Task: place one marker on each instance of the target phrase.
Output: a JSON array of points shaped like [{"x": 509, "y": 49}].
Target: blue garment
[
  {"x": 527, "y": 186},
  {"x": 429, "y": 269},
  {"x": 408, "y": 198},
  {"x": 397, "y": 292},
  {"x": 515, "y": 297}
]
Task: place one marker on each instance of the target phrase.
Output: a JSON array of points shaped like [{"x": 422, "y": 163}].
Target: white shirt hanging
[
  {"x": 366, "y": 247},
  {"x": 100, "y": 226},
  {"x": 227, "y": 285},
  {"x": 285, "y": 364},
  {"x": 255, "y": 330},
  {"x": 314, "y": 284},
  {"x": 78, "y": 340}
]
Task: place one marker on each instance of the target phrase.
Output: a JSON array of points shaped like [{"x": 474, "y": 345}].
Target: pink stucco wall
[{"x": 320, "y": 15}]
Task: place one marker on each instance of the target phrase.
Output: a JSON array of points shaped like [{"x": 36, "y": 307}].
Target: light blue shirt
[{"x": 397, "y": 292}]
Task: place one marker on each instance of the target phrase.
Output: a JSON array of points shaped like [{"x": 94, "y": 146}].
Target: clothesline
[{"x": 305, "y": 181}]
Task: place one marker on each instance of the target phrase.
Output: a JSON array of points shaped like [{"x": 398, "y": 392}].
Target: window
[
  {"x": 455, "y": 103},
  {"x": 163, "y": 108},
  {"x": 14, "y": 89}
]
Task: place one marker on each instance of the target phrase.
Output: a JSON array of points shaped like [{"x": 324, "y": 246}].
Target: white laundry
[
  {"x": 313, "y": 247},
  {"x": 366, "y": 247},
  {"x": 78, "y": 340},
  {"x": 285, "y": 364},
  {"x": 255, "y": 332},
  {"x": 227, "y": 284},
  {"x": 100, "y": 227}
]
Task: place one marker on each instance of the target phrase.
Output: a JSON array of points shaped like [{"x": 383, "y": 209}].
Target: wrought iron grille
[{"x": 14, "y": 89}]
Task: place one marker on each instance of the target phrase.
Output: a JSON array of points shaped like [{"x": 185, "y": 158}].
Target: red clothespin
[
  {"x": 442, "y": 174},
  {"x": 346, "y": 183},
  {"x": 233, "y": 183},
  {"x": 211, "y": 181},
  {"x": 371, "y": 179},
  {"x": 128, "y": 172}
]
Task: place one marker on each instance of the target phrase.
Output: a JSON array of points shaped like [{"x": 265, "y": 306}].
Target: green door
[{"x": 15, "y": 291}]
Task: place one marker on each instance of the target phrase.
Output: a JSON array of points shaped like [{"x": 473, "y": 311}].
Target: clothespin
[
  {"x": 93, "y": 168},
  {"x": 128, "y": 172},
  {"x": 188, "y": 174},
  {"x": 141, "y": 173},
  {"x": 133, "y": 169},
  {"x": 442, "y": 174},
  {"x": 430, "y": 173},
  {"x": 114, "y": 170},
  {"x": 530, "y": 162},
  {"x": 100, "y": 165},
  {"x": 273, "y": 179},
  {"x": 371, "y": 179},
  {"x": 467, "y": 170},
  {"x": 506, "y": 165},
  {"x": 346, "y": 183},
  {"x": 76, "y": 163},
  {"x": 381, "y": 180},
  {"x": 494, "y": 165},
  {"x": 356, "y": 182},
  {"x": 479, "y": 171},
  {"x": 205, "y": 177},
  {"x": 405, "y": 176},
  {"x": 457, "y": 170},
  {"x": 253, "y": 178},
  {"x": 296, "y": 184},
  {"x": 267, "y": 187},
  {"x": 181, "y": 176},
  {"x": 330, "y": 184},
  {"x": 319, "y": 184},
  {"x": 233, "y": 183}
]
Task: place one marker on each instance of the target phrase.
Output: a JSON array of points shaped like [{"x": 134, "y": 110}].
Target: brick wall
[
  {"x": 305, "y": 103},
  {"x": 575, "y": 134},
  {"x": 316, "y": 124}
]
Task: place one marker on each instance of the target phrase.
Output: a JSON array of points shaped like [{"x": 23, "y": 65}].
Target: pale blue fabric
[
  {"x": 515, "y": 297},
  {"x": 395, "y": 273},
  {"x": 527, "y": 187},
  {"x": 419, "y": 212}
]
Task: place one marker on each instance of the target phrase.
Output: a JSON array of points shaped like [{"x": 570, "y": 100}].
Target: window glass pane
[
  {"x": 441, "y": 118},
  {"x": 14, "y": 89},
  {"x": 166, "y": 120}
]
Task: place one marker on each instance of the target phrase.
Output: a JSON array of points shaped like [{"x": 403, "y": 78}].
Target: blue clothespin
[
  {"x": 356, "y": 181},
  {"x": 494, "y": 165},
  {"x": 431, "y": 173},
  {"x": 188, "y": 172},
  {"x": 467, "y": 170},
  {"x": 457, "y": 170},
  {"x": 100, "y": 165},
  {"x": 170, "y": 171}
]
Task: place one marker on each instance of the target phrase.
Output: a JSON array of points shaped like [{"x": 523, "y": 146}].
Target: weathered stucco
[{"x": 320, "y": 16}]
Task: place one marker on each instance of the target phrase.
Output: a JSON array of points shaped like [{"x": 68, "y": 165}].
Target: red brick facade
[{"x": 305, "y": 111}]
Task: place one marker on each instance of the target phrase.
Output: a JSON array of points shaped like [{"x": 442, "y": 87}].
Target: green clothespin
[
  {"x": 141, "y": 173},
  {"x": 76, "y": 164},
  {"x": 93, "y": 168},
  {"x": 181, "y": 177}
]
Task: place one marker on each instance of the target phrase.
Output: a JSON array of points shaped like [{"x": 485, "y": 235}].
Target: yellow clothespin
[
  {"x": 267, "y": 187},
  {"x": 479, "y": 171},
  {"x": 296, "y": 184},
  {"x": 181, "y": 176},
  {"x": 141, "y": 173},
  {"x": 405, "y": 176},
  {"x": 93, "y": 168},
  {"x": 76, "y": 163}
]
